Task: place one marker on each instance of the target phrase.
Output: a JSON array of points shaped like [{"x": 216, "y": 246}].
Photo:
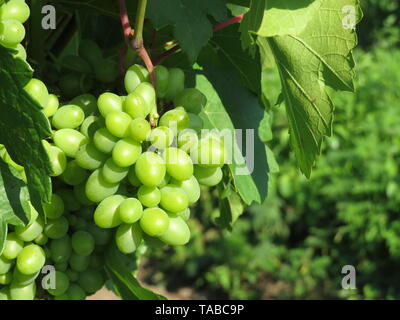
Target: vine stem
[{"x": 216, "y": 27}]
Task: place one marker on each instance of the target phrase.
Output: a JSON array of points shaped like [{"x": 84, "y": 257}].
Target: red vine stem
[
  {"x": 217, "y": 27},
  {"x": 126, "y": 26}
]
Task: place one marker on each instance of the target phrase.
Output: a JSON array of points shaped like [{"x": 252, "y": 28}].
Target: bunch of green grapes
[
  {"x": 78, "y": 73},
  {"x": 12, "y": 16}
]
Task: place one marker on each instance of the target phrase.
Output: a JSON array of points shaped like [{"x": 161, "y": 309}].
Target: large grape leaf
[
  {"x": 193, "y": 28},
  {"x": 312, "y": 46},
  {"x": 124, "y": 283},
  {"x": 23, "y": 126},
  {"x": 231, "y": 106}
]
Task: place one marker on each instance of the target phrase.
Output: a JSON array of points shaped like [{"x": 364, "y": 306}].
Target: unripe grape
[
  {"x": 51, "y": 106},
  {"x": 12, "y": 32},
  {"x": 98, "y": 189},
  {"x": 69, "y": 141},
  {"x": 72, "y": 84},
  {"x": 136, "y": 106},
  {"x": 177, "y": 233},
  {"x": 173, "y": 198},
  {"x": 104, "y": 141},
  {"x": 30, "y": 231},
  {"x": 41, "y": 239},
  {"x": 87, "y": 102},
  {"x": 208, "y": 177},
  {"x": 74, "y": 174},
  {"x": 90, "y": 126},
  {"x": 113, "y": 173},
  {"x": 12, "y": 246},
  {"x": 38, "y": 91},
  {"x": 90, "y": 51},
  {"x": 128, "y": 237},
  {"x": 107, "y": 71},
  {"x": 79, "y": 263},
  {"x": 176, "y": 83},
  {"x": 150, "y": 169},
  {"x": 5, "y": 264},
  {"x": 88, "y": 157},
  {"x": 130, "y": 210},
  {"x": 61, "y": 249},
  {"x": 68, "y": 116},
  {"x": 139, "y": 129},
  {"x": 62, "y": 284},
  {"x": 109, "y": 102},
  {"x": 69, "y": 199},
  {"x": 161, "y": 137},
  {"x": 210, "y": 152},
  {"x": 149, "y": 196},
  {"x": 31, "y": 259},
  {"x": 126, "y": 152},
  {"x": 179, "y": 164},
  {"x": 56, "y": 228},
  {"x": 101, "y": 236},
  {"x": 154, "y": 221},
  {"x": 117, "y": 124},
  {"x": 55, "y": 208},
  {"x": 91, "y": 280},
  {"x": 80, "y": 194},
  {"x": 188, "y": 140},
  {"x": 147, "y": 92},
  {"x": 75, "y": 292},
  {"x": 106, "y": 214},
  {"x": 6, "y": 278},
  {"x": 21, "y": 292},
  {"x": 162, "y": 76},
  {"x": 191, "y": 187},
  {"x": 82, "y": 243},
  {"x": 175, "y": 119},
  {"x": 134, "y": 76},
  {"x": 192, "y": 100},
  {"x": 15, "y": 10}
]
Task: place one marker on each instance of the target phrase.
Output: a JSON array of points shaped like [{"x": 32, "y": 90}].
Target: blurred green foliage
[{"x": 296, "y": 243}]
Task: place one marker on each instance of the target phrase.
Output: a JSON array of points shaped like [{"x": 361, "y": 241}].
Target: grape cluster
[
  {"x": 119, "y": 174},
  {"x": 12, "y": 16}
]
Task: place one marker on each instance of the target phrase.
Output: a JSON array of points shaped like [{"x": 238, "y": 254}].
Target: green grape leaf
[
  {"x": 14, "y": 196},
  {"x": 23, "y": 126},
  {"x": 125, "y": 284},
  {"x": 227, "y": 44},
  {"x": 193, "y": 28},
  {"x": 231, "y": 106},
  {"x": 230, "y": 207},
  {"x": 312, "y": 47}
]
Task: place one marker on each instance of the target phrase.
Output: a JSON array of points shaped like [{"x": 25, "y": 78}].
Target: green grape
[
  {"x": 31, "y": 231},
  {"x": 37, "y": 90},
  {"x": 173, "y": 198},
  {"x": 58, "y": 160},
  {"x": 12, "y": 246},
  {"x": 136, "y": 106},
  {"x": 176, "y": 119},
  {"x": 192, "y": 100},
  {"x": 117, "y": 123},
  {"x": 72, "y": 219},
  {"x": 128, "y": 237},
  {"x": 80, "y": 224},
  {"x": 113, "y": 173},
  {"x": 179, "y": 164},
  {"x": 21, "y": 52},
  {"x": 41, "y": 239},
  {"x": 195, "y": 122},
  {"x": 104, "y": 141},
  {"x": 101, "y": 236},
  {"x": 185, "y": 214},
  {"x": 74, "y": 174},
  {"x": 154, "y": 221},
  {"x": 97, "y": 189},
  {"x": 74, "y": 83},
  {"x": 5, "y": 294},
  {"x": 72, "y": 275},
  {"x": 91, "y": 280},
  {"x": 82, "y": 243},
  {"x": 57, "y": 228},
  {"x": 150, "y": 169},
  {"x": 149, "y": 196},
  {"x": 106, "y": 214},
  {"x": 161, "y": 137},
  {"x": 51, "y": 106},
  {"x": 191, "y": 187},
  {"x": 139, "y": 129},
  {"x": 134, "y": 76},
  {"x": 21, "y": 292},
  {"x": 5, "y": 279},
  {"x": 96, "y": 261},
  {"x": 68, "y": 197},
  {"x": 132, "y": 178},
  {"x": 162, "y": 76},
  {"x": 210, "y": 152},
  {"x": 12, "y": 32},
  {"x": 126, "y": 152},
  {"x": 33, "y": 214},
  {"x": 88, "y": 157},
  {"x": 31, "y": 259},
  {"x": 15, "y": 10},
  {"x": 147, "y": 92},
  {"x": 87, "y": 102},
  {"x": 68, "y": 116},
  {"x": 90, "y": 126},
  {"x": 61, "y": 285},
  {"x": 208, "y": 177},
  {"x": 24, "y": 279},
  {"x": 176, "y": 83},
  {"x": 80, "y": 194},
  {"x": 79, "y": 263},
  {"x": 130, "y": 210},
  {"x": 76, "y": 64},
  {"x": 5, "y": 264},
  {"x": 90, "y": 51},
  {"x": 178, "y": 232},
  {"x": 75, "y": 292},
  {"x": 109, "y": 102},
  {"x": 188, "y": 140},
  {"x": 107, "y": 71},
  {"x": 60, "y": 249},
  {"x": 69, "y": 141},
  {"x": 62, "y": 266}
]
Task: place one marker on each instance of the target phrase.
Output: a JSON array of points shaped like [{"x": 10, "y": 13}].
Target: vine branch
[{"x": 216, "y": 27}]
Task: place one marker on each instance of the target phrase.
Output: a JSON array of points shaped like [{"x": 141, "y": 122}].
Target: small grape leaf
[
  {"x": 23, "y": 126},
  {"x": 312, "y": 47},
  {"x": 230, "y": 207},
  {"x": 193, "y": 28},
  {"x": 231, "y": 106},
  {"x": 125, "y": 284}
]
